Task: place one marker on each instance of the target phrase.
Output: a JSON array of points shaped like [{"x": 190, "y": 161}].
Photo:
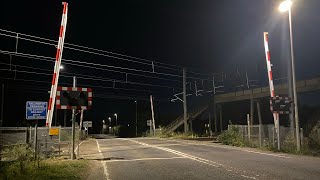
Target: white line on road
[
  {"x": 233, "y": 148},
  {"x": 144, "y": 159},
  {"x": 78, "y": 146},
  {"x": 104, "y": 165},
  {"x": 198, "y": 159}
]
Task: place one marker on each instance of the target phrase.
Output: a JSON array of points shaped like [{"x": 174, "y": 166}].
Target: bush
[
  {"x": 21, "y": 154},
  {"x": 231, "y": 137}
]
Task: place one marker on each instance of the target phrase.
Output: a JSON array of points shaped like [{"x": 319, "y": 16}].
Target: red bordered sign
[{"x": 74, "y": 98}]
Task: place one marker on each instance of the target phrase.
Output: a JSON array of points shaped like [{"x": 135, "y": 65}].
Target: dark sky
[{"x": 209, "y": 36}]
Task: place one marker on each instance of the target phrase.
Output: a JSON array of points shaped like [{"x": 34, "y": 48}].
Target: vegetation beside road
[
  {"x": 18, "y": 163},
  {"x": 233, "y": 138}
]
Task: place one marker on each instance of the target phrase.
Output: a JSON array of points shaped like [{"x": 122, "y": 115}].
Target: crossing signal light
[
  {"x": 74, "y": 98},
  {"x": 281, "y": 105}
]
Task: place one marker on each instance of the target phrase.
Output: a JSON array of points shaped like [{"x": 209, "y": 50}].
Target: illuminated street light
[
  {"x": 285, "y": 6},
  {"x": 116, "y": 115}
]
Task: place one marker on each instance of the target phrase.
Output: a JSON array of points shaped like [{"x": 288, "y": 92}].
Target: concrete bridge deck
[{"x": 302, "y": 86}]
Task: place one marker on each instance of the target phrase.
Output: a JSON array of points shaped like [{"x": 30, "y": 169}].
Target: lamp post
[
  {"x": 284, "y": 7},
  {"x": 109, "y": 118},
  {"x": 136, "y": 118},
  {"x": 116, "y": 116},
  {"x": 103, "y": 122}
]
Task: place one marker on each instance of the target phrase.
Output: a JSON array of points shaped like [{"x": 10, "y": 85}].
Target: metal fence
[
  {"x": 265, "y": 135},
  {"x": 13, "y": 135},
  {"x": 46, "y": 144}
]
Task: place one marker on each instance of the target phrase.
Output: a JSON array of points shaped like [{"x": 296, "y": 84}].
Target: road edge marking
[{"x": 104, "y": 164}]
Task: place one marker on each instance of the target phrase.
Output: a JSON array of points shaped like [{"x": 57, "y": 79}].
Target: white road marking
[
  {"x": 268, "y": 154},
  {"x": 144, "y": 159},
  {"x": 233, "y": 148},
  {"x": 78, "y": 146},
  {"x": 198, "y": 159},
  {"x": 248, "y": 177},
  {"x": 104, "y": 165}
]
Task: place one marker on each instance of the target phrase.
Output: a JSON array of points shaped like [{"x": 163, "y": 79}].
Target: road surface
[{"x": 155, "y": 158}]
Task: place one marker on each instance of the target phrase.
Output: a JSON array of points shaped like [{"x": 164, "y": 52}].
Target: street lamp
[
  {"x": 116, "y": 118},
  {"x": 284, "y": 7},
  {"x": 109, "y": 118},
  {"x": 103, "y": 122},
  {"x": 136, "y": 118}
]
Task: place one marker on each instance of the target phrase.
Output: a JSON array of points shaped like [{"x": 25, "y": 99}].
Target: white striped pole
[
  {"x": 56, "y": 71},
  {"x": 272, "y": 93}
]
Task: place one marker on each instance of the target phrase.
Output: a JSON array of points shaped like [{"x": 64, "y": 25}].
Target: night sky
[{"x": 204, "y": 36}]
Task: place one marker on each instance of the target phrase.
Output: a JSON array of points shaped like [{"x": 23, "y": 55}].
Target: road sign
[
  {"x": 149, "y": 122},
  {"x": 280, "y": 105},
  {"x": 87, "y": 124},
  {"x": 36, "y": 110},
  {"x": 54, "y": 131}
]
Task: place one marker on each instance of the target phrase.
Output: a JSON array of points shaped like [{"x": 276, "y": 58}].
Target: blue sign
[{"x": 36, "y": 110}]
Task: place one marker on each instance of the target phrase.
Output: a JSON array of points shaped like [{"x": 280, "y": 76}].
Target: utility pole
[
  {"x": 185, "y": 113},
  {"x": 136, "y": 117},
  {"x": 2, "y": 105},
  {"x": 152, "y": 114},
  {"x": 73, "y": 122}
]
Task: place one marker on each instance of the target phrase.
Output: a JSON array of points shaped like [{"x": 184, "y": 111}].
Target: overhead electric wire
[
  {"x": 96, "y": 95},
  {"x": 91, "y": 52},
  {"x": 101, "y": 65},
  {"x": 99, "y": 50},
  {"x": 102, "y": 96},
  {"x": 95, "y": 79},
  {"x": 103, "y": 87}
]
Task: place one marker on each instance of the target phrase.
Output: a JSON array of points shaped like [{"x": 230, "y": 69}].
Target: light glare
[{"x": 285, "y": 6}]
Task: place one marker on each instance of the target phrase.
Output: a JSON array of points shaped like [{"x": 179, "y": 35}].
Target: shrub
[
  {"x": 20, "y": 153},
  {"x": 231, "y": 137}
]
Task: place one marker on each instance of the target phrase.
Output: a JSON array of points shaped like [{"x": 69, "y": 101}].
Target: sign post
[{"x": 36, "y": 110}]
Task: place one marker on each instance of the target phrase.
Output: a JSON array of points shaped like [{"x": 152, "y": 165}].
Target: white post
[
  {"x": 152, "y": 114},
  {"x": 249, "y": 130}
]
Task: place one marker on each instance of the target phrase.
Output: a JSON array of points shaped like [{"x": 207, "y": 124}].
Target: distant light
[
  {"x": 61, "y": 67},
  {"x": 128, "y": 125},
  {"x": 109, "y": 118},
  {"x": 285, "y": 6},
  {"x": 115, "y": 114}
]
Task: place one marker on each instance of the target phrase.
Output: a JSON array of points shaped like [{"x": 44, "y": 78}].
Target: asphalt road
[{"x": 153, "y": 159}]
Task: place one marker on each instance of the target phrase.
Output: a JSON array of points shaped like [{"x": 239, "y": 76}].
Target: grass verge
[{"x": 49, "y": 169}]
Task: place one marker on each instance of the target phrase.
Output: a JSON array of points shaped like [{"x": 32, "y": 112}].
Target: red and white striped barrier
[
  {"x": 78, "y": 89},
  {"x": 56, "y": 71},
  {"x": 272, "y": 93}
]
